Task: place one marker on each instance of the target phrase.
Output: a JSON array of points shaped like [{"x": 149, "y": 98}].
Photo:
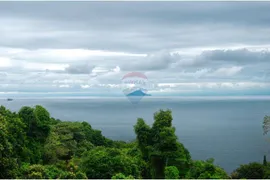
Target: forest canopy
[{"x": 35, "y": 145}]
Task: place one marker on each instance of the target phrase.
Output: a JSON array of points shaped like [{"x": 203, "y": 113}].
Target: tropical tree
[
  {"x": 171, "y": 172},
  {"x": 159, "y": 146},
  {"x": 206, "y": 170},
  {"x": 122, "y": 176},
  {"x": 8, "y": 164},
  {"x": 104, "y": 163},
  {"x": 252, "y": 170}
]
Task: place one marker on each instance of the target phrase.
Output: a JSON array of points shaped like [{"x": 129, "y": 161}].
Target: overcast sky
[{"x": 180, "y": 46}]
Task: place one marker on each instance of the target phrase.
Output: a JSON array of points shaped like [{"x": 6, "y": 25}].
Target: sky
[{"x": 182, "y": 47}]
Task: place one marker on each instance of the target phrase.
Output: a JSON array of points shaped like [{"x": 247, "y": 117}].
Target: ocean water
[{"x": 228, "y": 130}]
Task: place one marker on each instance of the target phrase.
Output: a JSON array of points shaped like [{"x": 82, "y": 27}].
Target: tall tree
[
  {"x": 8, "y": 164},
  {"x": 250, "y": 171},
  {"x": 264, "y": 160},
  {"x": 37, "y": 126},
  {"x": 159, "y": 144}
]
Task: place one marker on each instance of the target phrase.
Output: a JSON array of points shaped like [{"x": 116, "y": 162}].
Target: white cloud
[
  {"x": 5, "y": 62},
  {"x": 85, "y": 86},
  {"x": 44, "y": 66},
  {"x": 231, "y": 71},
  {"x": 64, "y": 86},
  {"x": 116, "y": 69}
]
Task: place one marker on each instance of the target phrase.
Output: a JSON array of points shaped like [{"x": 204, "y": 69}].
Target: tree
[
  {"x": 104, "y": 163},
  {"x": 143, "y": 132},
  {"x": 250, "y": 171},
  {"x": 52, "y": 172},
  {"x": 159, "y": 144},
  {"x": 35, "y": 171},
  {"x": 264, "y": 160},
  {"x": 67, "y": 139},
  {"x": 8, "y": 164},
  {"x": 17, "y": 135},
  {"x": 95, "y": 136},
  {"x": 171, "y": 172},
  {"x": 80, "y": 175},
  {"x": 28, "y": 117},
  {"x": 37, "y": 121},
  {"x": 43, "y": 120},
  {"x": 119, "y": 176},
  {"x": 122, "y": 176},
  {"x": 206, "y": 170}
]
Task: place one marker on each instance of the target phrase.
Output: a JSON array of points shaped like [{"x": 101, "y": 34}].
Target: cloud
[
  {"x": 239, "y": 56},
  {"x": 122, "y": 28},
  {"x": 5, "y": 62},
  {"x": 79, "y": 68},
  {"x": 151, "y": 62},
  {"x": 81, "y": 46},
  {"x": 231, "y": 71}
]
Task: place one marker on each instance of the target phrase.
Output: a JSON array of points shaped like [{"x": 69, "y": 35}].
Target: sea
[{"x": 227, "y": 129}]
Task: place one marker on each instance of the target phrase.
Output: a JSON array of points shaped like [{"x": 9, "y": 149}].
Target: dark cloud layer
[
  {"x": 83, "y": 68},
  {"x": 134, "y": 26},
  {"x": 243, "y": 56}
]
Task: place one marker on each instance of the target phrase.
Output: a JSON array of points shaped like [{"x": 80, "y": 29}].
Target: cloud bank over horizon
[{"x": 182, "y": 47}]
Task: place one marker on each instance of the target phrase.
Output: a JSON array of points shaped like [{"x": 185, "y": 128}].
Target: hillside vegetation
[{"x": 36, "y": 146}]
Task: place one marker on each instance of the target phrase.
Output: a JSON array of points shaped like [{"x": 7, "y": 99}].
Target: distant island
[
  {"x": 138, "y": 93},
  {"x": 9, "y": 99}
]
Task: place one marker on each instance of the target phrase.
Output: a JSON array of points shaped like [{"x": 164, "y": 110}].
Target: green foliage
[
  {"x": 52, "y": 172},
  {"x": 68, "y": 175},
  {"x": 37, "y": 146},
  {"x": 80, "y": 175},
  {"x": 43, "y": 120},
  {"x": 8, "y": 164},
  {"x": 119, "y": 176},
  {"x": 95, "y": 136},
  {"x": 159, "y": 145},
  {"x": 28, "y": 117},
  {"x": 103, "y": 163},
  {"x": 264, "y": 160},
  {"x": 67, "y": 139},
  {"x": 36, "y": 171},
  {"x": 171, "y": 172},
  {"x": 206, "y": 170},
  {"x": 37, "y": 122},
  {"x": 17, "y": 136},
  {"x": 122, "y": 176},
  {"x": 250, "y": 171}
]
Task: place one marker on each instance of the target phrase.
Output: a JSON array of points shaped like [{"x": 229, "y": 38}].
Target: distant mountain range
[{"x": 138, "y": 93}]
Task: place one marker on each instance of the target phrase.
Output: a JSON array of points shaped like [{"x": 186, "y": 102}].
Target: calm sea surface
[{"x": 230, "y": 131}]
